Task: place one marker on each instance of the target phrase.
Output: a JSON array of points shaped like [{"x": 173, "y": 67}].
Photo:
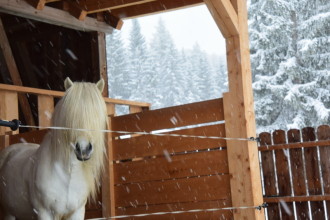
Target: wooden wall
[{"x": 40, "y": 55}]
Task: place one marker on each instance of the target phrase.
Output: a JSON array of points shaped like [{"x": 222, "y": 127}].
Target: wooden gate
[
  {"x": 296, "y": 173},
  {"x": 167, "y": 173}
]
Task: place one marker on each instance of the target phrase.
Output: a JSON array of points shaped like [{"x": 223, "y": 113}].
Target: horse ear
[
  {"x": 67, "y": 83},
  {"x": 100, "y": 85}
]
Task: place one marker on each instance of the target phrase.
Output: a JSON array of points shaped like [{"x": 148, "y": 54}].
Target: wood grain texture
[
  {"x": 170, "y": 167},
  {"x": 45, "y": 110},
  {"x": 35, "y": 137},
  {"x": 21, "y": 89},
  {"x": 323, "y": 133},
  {"x": 52, "y": 16},
  {"x": 298, "y": 177},
  {"x": 268, "y": 170},
  {"x": 283, "y": 172},
  {"x": 312, "y": 173},
  {"x": 173, "y": 191},
  {"x": 172, "y": 117},
  {"x": 149, "y": 145},
  {"x": 225, "y": 215},
  {"x": 8, "y": 109},
  {"x": 224, "y": 16}
]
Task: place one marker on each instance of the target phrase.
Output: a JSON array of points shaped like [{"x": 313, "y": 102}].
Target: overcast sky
[{"x": 187, "y": 26}]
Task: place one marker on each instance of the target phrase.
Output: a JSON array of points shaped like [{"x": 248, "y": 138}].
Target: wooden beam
[
  {"x": 103, "y": 5},
  {"x": 75, "y": 10},
  {"x": 277, "y": 199},
  {"x": 78, "y": 11},
  {"x": 153, "y": 8},
  {"x": 38, "y": 4},
  {"x": 108, "y": 177},
  {"x": 323, "y": 143},
  {"x": 8, "y": 108},
  {"x": 45, "y": 110},
  {"x": 224, "y": 16},
  {"x": 243, "y": 159},
  {"x": 52, "y": 16},
  {"x": 112, "y": 20},
  {"x": 14, "y": 74},
  {"x": 100, "y": 59},
  {"x": 21, "y": 89}
]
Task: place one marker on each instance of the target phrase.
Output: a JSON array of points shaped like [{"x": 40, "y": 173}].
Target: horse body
[{"x": 55, "y": 179}]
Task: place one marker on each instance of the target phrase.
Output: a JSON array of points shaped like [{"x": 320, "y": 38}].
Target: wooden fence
[
  {"x": 296, "y": 173},
  {"x": 164, "y": 173},
  {"x": 148, "y": 173}
]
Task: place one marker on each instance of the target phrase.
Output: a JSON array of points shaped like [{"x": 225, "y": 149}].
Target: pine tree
[
  {"x": 167, "y": 72},
  {"x": 117, "y": 66},
  {"x": 139, "y": 66},
  {"x": 290, "y": 57}
]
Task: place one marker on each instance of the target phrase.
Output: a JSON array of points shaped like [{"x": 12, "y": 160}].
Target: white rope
[
  {"x": 181, "y": 212},
  {"x": 143, "y": 133}
]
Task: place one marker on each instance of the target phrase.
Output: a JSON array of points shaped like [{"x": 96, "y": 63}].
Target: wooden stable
[{"x": 231, "y": 177}]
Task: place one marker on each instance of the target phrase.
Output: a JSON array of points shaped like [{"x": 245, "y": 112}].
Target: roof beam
[
  {"x": 75, "y": 10},
  {"x": 38, "y": 4},
  {"x": 224, "y": 15},
  {"x": 153, "y": 8},
  {"x": 103, "y": 5},
  {"x": 52, "y": 16}
]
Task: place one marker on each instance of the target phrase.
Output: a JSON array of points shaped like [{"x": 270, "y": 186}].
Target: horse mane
[{"x": 82, "y": 107}]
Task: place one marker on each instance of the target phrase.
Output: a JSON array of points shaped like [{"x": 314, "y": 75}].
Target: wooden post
[
  {"x": 100, "y": 59},
  {"x": 108, "y": 197},
  {"x": 45, "y": 110},
  {"x": 8, "y": 109},
  {"x": 243, "y": 159}
]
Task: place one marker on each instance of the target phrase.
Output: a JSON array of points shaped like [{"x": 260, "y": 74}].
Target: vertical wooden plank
[
  {"x": 100, "y": 59},
  {"x": 108, "y": 196},
  {"x": 224, "y": 16},
  {"x": 4, "y": 142},
  {"x": 134, "y": 109},
  {"x": 243, "y": 163},
  {"x": 8, "y": 109},
  {"x": 111, "y": 109},
  {"x": 312, "y": 173},
  {"x": 246, "y": 189},
  {"x": 45, "y": 110},
  {"x": 323, "y": 133},
  {"x": 283, "y": 173},
  {"x": 268, "y": 170},
  {"x": 298, "y": 177}
]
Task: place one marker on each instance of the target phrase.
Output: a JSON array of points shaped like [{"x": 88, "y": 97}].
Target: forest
[{"x": 290, "y": 59}]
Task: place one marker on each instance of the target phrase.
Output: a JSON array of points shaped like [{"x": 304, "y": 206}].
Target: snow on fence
[{"x": 295, "y": 167}]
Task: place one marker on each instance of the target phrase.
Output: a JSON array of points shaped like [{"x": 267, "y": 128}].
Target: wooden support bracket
[
  {"x": 224, "y": 15},
  {"x": 38, "y": 4}
]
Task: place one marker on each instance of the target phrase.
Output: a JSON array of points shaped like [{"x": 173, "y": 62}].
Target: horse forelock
[{"x": 82, "y": 107}]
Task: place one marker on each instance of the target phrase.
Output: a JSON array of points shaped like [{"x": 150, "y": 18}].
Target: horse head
[{"x": 82, "y": 141}]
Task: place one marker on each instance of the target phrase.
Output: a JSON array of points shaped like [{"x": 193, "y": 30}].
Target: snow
[{"x": 290, "y": 60}]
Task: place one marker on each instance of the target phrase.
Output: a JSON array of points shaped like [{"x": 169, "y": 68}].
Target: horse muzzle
[{"x": 83, "y": 151}]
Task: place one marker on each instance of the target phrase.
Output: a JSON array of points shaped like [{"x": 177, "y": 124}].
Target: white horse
[{"x": 54, "y": 180}]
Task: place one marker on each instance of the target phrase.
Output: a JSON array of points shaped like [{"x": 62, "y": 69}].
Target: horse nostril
[
  {"x": 90, "y": 147},
  {"x": 78, "y": 147}
]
